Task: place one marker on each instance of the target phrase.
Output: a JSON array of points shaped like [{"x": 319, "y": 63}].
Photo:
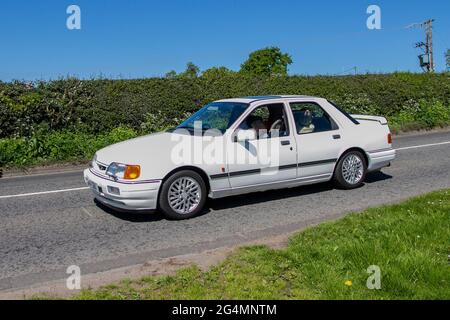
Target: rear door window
[{"x": 311, "y": 118}]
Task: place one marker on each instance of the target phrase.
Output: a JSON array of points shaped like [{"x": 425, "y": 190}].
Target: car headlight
[{"x": 123, "y": 171}]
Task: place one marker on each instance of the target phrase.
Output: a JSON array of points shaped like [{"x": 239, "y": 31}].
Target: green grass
[{"x": 409, "y": 242}]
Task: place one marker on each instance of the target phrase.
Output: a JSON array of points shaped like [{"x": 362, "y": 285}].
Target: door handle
[
  {"x": 336, "y": 136},
  {"x": 285, "y": 143}
]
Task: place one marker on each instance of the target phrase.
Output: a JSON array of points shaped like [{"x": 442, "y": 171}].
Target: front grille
[{"x": 100, "y": 167}]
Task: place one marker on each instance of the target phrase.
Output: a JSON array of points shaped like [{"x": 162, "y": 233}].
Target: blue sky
[{"x": 130, "y": 39}]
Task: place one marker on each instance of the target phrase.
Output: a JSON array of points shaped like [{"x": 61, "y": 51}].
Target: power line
[{"x": 355, "y": 69}]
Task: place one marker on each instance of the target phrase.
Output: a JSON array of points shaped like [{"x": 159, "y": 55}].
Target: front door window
[{"x": 267, "y": 121}]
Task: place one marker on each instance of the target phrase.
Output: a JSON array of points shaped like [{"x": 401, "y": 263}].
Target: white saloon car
[{"x": 237, "y": 146}]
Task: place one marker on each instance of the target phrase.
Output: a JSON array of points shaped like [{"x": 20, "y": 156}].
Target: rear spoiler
[{"x": 381, "y": 120}]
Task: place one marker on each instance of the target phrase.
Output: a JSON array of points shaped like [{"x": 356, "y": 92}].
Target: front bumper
[
  {"x": 133, "y": 196},
  {"x": 380, "y": 159}
]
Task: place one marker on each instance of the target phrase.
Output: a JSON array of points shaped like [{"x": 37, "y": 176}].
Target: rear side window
[
  {"x": 345, "y": 113},
  {"x": 310, "y": 118}
]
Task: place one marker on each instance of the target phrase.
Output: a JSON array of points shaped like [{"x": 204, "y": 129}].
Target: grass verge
[{"x": 408, "y": 241}]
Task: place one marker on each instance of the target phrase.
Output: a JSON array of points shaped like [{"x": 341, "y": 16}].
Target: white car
[{"x": 237, "y": 146}]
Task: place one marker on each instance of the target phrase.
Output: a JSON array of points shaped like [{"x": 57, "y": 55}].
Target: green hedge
[
  {"x": 98, "y": 106},
  {"x": 49, "y": 147},
  {"x": 70, "y": 119}
]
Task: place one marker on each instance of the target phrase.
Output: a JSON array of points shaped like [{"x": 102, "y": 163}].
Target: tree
[
  {"x": 217, "y": 72},
  {"x": 171, "y": 74},
  {"x": 268, "y": 62},
  {"x": 192, "y": 71},
  {"x": 447, "y": 59}
]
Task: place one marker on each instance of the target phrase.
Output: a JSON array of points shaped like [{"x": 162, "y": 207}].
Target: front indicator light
[{"x": 132, "y": 172}]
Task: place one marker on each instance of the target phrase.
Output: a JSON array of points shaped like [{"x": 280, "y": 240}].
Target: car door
[
  {"x": 318, "y": 140},
  {"x": 269, "y": 155}
]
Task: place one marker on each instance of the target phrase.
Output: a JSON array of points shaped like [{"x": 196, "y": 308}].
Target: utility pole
[
  {"x": 447, "y": 60},
  {"x": 426, "y": 59}
]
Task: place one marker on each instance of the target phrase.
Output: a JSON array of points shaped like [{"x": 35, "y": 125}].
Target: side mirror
[{"x": 245, "y": 135}]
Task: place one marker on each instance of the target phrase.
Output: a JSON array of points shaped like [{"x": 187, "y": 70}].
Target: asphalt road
[{"x": 42, "y": 234}]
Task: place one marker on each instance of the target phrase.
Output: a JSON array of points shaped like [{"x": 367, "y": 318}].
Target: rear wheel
[
  {"x": 183, "y": 195},
  {"x": 351, "y": 170}
]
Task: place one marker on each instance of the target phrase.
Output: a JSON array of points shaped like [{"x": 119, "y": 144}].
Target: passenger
[{"x": 304, "y": 121}]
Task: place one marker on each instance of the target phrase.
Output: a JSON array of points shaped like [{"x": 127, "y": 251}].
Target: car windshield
[{"x": 217, "y": 115}]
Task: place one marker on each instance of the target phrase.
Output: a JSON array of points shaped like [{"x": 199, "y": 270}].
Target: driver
[{"x": 256, "y": 123}]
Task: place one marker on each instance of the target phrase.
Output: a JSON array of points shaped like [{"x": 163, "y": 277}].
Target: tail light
[{"x": 389, "y": 137}]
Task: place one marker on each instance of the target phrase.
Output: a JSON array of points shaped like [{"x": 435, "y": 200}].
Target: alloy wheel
[
  {"x": 352, "y": 169},
  {"x": 184, "y": 195}
]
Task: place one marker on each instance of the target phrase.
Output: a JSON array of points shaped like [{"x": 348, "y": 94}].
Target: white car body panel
[
  {"x": 271, "y": 174},
  {"x": 312, "y": 159}
]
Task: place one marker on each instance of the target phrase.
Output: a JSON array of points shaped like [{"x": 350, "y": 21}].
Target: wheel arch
[
  {"x": 366, "y": 158},
  {"x": 197, "y": 170},
  {"x": 201, "y": 172}
]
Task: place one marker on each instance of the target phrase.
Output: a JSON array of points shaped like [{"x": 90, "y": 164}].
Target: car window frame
[
  {"x": 343, "y": 112},
  {"x": 285, "y": 113},
  {"x": 334, "y": 124}
]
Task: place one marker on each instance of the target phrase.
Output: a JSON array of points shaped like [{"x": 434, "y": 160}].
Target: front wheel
[
  {"x": 351, "y": 170},
  {"x": 183, "y": 195}
]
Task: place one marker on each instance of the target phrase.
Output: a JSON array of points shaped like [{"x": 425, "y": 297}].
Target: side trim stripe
[
  {"x": 219, "y": 176},
  {"x": 245, "y": 172},
  {"x": 284, "y": 167},
  {"x": 288, "y": 166},
  {"x": 315, "y": 163}
]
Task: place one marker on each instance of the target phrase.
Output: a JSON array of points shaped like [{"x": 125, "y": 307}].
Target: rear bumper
[
  {"x": 380, "y": 159},
  {"x": 130, "y": 196}
]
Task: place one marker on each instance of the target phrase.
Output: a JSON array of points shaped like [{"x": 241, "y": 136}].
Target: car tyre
[
  {"x": 351, "y": 170},
  {"x": 183, "y": 195}
]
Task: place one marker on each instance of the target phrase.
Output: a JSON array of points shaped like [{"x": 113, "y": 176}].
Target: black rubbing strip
[
  {"x": 243, "y": 173},
  {"x": 315, "y": 163},
  {"x": 253, "y": 171},
  {"x": 288, "y": 166},
  {"x": 219, "y": 176},
  {"x": 285, "y": 167}
]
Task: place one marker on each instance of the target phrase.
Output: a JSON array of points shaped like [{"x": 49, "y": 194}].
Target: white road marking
[
  {"x": 86, "y": 211},
  {"x": 423, "y": 146},
  {"x": 85, "y": 188},
  {"x": 43, "y": 192}
]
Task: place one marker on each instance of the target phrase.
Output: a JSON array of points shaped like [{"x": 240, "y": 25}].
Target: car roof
[{"x": 251, "y": 99}]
